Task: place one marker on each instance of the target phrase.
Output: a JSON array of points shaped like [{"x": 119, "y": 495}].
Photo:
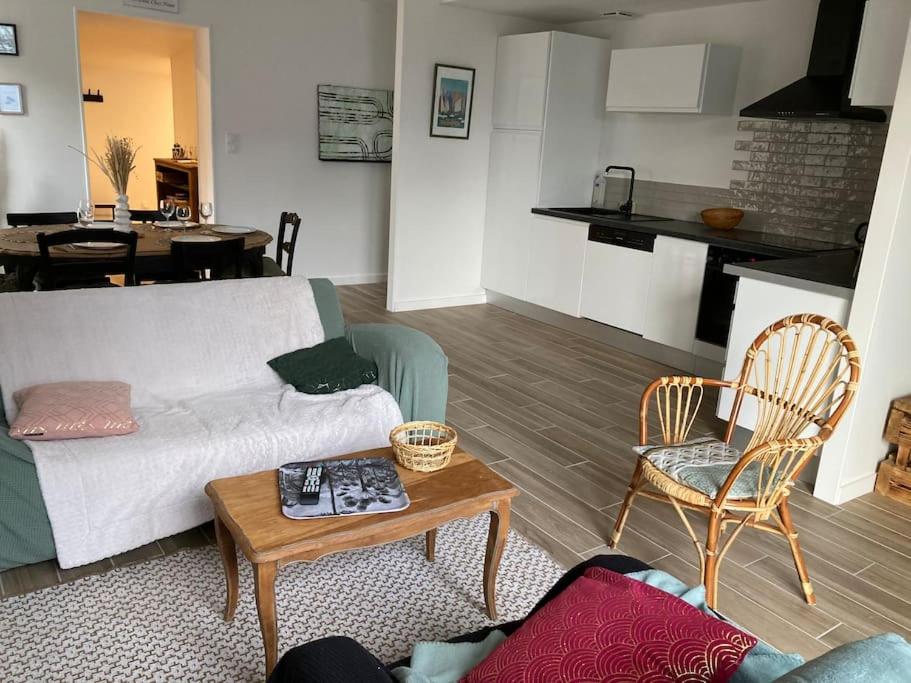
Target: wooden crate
[{"x": 894, "y": 476}]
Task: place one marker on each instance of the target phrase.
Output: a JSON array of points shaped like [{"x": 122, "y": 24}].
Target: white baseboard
[
  {"x": 445, "y": 302},
  {"x": 855, "y": 487},
  {"x": 365, "y": 279}
]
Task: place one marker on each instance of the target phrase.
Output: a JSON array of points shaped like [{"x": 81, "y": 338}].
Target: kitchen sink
[{"x": 608, "y": 213}]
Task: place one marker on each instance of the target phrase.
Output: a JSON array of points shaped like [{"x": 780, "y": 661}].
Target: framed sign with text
[{"x": 172, "y": 6}]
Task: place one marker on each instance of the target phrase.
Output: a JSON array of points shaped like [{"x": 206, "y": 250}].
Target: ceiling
[{"x": 567, "y": 11}]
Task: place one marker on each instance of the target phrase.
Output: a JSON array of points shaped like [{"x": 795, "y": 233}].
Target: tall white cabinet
[{"x": 548, "y": 103}]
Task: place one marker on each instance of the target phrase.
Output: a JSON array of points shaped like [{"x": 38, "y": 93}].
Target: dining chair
[
  {"x": 194, "y": 261},
  {"x": 273, "y": 267},
  {"x": 18, "y": 220},
  {"x": 60, "y": 269},
  {"x": 799, "y": 377},
  {"x": 108, "y": 208}
]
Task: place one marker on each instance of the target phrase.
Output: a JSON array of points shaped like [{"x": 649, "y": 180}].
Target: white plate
[
  {"x": 195, "y": 238},
  {"x": 232, "y": 230},
  {"x": 175, "y": 224},
  {"x": 98, "y": 225},
  {"x": 98, "y": 245}
]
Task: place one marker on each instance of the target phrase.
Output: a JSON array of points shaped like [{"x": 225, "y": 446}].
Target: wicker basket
[{"x": 423, "y": 446}]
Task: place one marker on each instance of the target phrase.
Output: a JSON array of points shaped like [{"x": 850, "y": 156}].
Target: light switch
[{"x": 232, "y": 143}]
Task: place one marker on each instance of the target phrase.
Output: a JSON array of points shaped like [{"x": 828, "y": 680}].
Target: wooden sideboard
[{"x": 179, "y": 181}]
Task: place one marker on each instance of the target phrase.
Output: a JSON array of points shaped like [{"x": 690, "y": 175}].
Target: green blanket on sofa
[{"x": 412, "y": 367}]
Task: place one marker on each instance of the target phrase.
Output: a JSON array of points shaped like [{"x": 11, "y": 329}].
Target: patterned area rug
[{"x": 161, "y": 620}]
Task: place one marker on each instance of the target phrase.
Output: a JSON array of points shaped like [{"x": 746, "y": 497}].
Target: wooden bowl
[{"x": 722, "y": 219}]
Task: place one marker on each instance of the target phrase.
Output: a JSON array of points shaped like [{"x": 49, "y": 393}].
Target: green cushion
[
  {"x": 271, "y": 268},
  {"x": 884, "y": 659},
  {"x": 325, "y": 368}
]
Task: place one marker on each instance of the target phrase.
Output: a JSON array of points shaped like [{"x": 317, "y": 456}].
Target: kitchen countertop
[
  {"x": 828, "y": 273},
  {"x": 742, "y": 240}
]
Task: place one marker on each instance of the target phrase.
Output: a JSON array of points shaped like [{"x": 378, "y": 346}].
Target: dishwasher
[{"x": 615, "y": 281}]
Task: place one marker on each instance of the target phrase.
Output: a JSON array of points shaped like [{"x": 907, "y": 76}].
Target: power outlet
[{"x": 232, "y": 143}]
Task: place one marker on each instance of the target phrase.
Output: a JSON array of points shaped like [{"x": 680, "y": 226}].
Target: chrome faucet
[{"x": 627, "y": 207}]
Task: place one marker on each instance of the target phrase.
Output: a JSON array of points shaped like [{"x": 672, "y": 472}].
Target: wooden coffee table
[{"x": 248, "y": 514}]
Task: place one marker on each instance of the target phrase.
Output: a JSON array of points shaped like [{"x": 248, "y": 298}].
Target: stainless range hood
[{"x": 823, "y": 92}]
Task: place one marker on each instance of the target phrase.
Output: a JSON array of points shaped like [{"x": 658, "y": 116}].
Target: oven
[{"x": 719, "y": 290}]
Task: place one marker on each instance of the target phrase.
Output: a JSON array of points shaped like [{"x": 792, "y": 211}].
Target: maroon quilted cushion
[{"x": 607, "y": 627}]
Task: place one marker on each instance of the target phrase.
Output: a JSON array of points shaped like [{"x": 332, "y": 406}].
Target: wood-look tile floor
[{"x": 555, "y": 414}]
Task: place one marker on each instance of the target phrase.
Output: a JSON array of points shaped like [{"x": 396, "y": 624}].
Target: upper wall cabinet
[
  {"x": 688, "y": 79},
  {"x": 521, "y": 81},
  {"x": 880, "y": 53}
]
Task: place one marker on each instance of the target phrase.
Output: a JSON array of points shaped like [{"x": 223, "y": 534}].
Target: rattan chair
[{"x": 801, "y": 375}]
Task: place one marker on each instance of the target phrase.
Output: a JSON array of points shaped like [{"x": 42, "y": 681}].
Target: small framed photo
[
  {"x": 11, "y": 99},
  {"x": 453, "y": 94},
  {"x": 9, "y": 45}
]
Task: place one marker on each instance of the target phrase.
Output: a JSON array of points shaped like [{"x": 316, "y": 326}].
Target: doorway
[{"x": 148, "y": 81}]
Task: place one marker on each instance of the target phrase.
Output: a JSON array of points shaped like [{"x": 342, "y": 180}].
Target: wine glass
[
  {"x": 183, "y": 214},
  {"x": 166, "y": 208},
  {"x": 85, "y": 212},
  {"x": 205, "y": 210}
]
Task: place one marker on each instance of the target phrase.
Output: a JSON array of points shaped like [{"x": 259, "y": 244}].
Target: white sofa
[{"x": 207, "y": 403}]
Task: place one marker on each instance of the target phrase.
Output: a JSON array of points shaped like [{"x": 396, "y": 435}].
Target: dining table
[{"x": 19, "y": 247}]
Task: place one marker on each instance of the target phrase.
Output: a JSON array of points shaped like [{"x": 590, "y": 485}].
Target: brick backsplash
[{"x": 809, "y": 179}]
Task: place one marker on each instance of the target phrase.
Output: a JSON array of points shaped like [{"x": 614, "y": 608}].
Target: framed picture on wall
[
  {"x": 11, "y": 99},
  {"x": 9, "y": 44},
  {"x": 453, "y": 93}
]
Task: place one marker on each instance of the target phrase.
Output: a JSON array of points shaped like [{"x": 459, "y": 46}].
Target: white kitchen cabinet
[
  {"x": 678, "y": 270},
  {"x": 693, "y": 79},
  {"x": 512, "y": 183},
  {"x": 615, "y": 285},
  {"x": 548, "y": 103},
  {"x": 880, "y": 53},
  {"x": 555, "y": 262},
  {"x": 521, "y": 81}
]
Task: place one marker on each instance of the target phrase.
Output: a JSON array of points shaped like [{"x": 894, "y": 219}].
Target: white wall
[
  {"x": 137, "y": 105},
  {"x": 439, "y": 186},
  {"x": 880, "y": 319},
  {"x": 775, "y": 38},
  {"x": 183, "y": 93},
  {"x": 267, "y": 59}
]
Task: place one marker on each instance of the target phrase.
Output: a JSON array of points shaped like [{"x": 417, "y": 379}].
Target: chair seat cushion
[
  {"x": 271, "y": 268},
  {"x": 703, "y": 464}
]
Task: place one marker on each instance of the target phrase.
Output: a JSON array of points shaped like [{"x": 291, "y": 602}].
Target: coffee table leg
[
  {"x": 264, "y": 582},
  {"x": 229, "y": 560},
  {"x": 430, "y": 544},
  {"x": 496, "y": 541}
]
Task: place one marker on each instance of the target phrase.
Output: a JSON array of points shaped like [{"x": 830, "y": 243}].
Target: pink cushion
[
  {"x": 607, "y": 627},
  {"x": 73, "y": 410}
]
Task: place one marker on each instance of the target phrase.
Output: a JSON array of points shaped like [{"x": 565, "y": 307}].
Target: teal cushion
[
  {"x": 704, "y": 464},
  {"x": 325, "y": 368},
  {"x": 885, "y": 659}
]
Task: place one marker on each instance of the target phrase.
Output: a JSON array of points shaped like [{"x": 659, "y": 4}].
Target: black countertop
[
  {"x": 831, "y": 272},
  {"x": 737, "y": 239},
  {"x": 825, "y": 267}
]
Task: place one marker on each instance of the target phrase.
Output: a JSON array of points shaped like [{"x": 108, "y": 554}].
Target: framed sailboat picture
[{"x": 453, "y": 93}]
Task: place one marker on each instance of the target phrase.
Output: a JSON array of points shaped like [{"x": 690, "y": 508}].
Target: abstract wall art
[{"x": 355, "y": 124}]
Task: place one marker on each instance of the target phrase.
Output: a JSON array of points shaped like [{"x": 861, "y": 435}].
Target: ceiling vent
[{"x": 618, "y": 14}]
